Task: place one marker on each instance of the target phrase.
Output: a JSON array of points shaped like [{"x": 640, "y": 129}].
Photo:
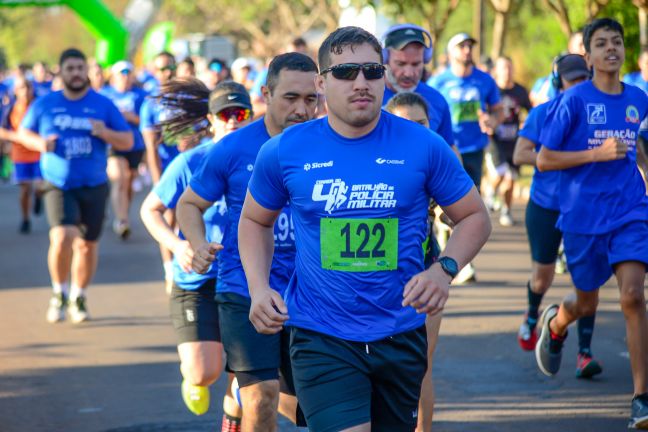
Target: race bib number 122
[{"x": 359, "y": 245}]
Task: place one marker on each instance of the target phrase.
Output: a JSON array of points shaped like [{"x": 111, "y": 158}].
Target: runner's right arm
[
  {"x": 524, "y": 153},
  {"x": 611, "y": 149},
  {"x": 152, "y": 214},
  {"x": 189, "y": 212},
  {"x": 33, "y": 141},
  {"x": 268, "y": 311}
]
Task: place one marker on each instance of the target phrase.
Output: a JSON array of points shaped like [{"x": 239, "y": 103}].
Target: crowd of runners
[{"x": 312, "y": 214}]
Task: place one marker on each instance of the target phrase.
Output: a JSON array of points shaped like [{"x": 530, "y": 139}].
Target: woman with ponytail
[{"x": 203, "y": 117}]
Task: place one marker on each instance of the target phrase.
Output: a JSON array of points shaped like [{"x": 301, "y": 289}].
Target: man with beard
[
  {"x": 407, "y": 48},
  {"x": 73, "y": 128},
  {"x": 358, "y": 184},
  {"x": 255, "y": 358}
]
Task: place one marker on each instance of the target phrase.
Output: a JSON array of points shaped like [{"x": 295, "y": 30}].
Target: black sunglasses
[{"x": 350, "y": 71}]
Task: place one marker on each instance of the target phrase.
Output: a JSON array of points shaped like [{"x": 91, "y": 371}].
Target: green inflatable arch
[{"x": 112, "y": 37}]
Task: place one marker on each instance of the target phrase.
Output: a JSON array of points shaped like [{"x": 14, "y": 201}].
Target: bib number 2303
[{"x": 359, "y": 245}]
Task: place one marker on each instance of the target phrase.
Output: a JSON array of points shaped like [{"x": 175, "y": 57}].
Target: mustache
[
  {"x": 362, "y": 95},
  {"x": 296, "y": 118}
]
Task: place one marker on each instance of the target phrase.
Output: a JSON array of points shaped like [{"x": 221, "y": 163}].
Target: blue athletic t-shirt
[
  {"x": 172, "y": 184},
  {"x": 226, "y": 170},
  {"x": 128, "y": 101},
  {"x": 79, "y": 158},
  {"x": 597, "y": 198},
  {"x": 466, "y": 96},
  {"x": 42, "y": 88},
  {"x": 360, "y": 213},
  {"x": 635, "y": 79},
  {"x": 544, "y": 185},
  {"x": 438, "y": 110},
  {"x": 151, "y": 114},
  {"x": 543, "y": 88}
]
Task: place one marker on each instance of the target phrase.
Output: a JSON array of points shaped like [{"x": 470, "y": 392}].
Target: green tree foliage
[
  {"x": 534, "y": 31},
  {"x": 263, "y": 26}
]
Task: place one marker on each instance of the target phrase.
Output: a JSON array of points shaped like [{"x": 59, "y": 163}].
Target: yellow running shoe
[{"x": 195, "y": 397}]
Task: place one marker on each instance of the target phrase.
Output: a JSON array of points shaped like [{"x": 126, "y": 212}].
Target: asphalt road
[{"x": 120, "y": 371}]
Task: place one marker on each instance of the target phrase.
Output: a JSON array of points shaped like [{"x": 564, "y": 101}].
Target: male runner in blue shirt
[
  {"x": 358, "y": 183},
  {"x": 122, "y": 166},
  {"x": 408, "y": 48},
  {"x": 591, "y": 135},
  {"x": 255, "y": 358},
  {"x": 474, "y": 101},
  {"x": 73, "y": 128},
  {"x": 542, "y": 212}
]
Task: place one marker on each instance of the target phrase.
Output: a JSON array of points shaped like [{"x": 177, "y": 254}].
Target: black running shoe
[
  {"x": 38, "y": 205},
  {"x": 25, "y": 227},
  {"x": 639, "y": 409}
]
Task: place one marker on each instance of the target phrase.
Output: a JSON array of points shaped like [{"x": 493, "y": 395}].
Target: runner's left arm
[{"x": 120, "y": 140}]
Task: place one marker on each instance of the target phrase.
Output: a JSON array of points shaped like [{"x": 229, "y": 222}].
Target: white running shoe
[
  {"x": 506, "y": 220},
  {"x": 56, "y": 308},
  {"x": 78, "y": 310}
]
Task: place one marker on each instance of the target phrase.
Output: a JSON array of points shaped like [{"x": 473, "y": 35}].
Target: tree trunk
[
  {"x": 559, "y": 8},
  {"x": 499, "y": 33},
  {"x": 478, "y": 28}
]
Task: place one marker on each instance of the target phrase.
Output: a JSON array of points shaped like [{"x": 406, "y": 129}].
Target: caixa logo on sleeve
[{"x": 596, "y": 114}]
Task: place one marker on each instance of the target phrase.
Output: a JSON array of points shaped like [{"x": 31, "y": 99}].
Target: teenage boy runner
[
  {"x": 542, "y": 213},
  {"x": 291, "y": 99},
  {"x": 358, "y": 183},
  {"x": 591, "y": 135}
]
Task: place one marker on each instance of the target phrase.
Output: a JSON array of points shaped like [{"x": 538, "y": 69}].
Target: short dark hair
[
  {"x": 299, "y": 41},
  {"x": 71, "y": 53},
  {"x": 289, "y": 61},
  {"x": 166, "y": 54},
  {"x": 189, "y": 61},
  {"x": 408, "y": 99},
  {"x": 597, "y": 24},
  {"x": 344, "y": 37}
]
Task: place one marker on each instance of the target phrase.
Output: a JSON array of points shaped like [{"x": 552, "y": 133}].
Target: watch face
[{"x": 449, "y": 266}]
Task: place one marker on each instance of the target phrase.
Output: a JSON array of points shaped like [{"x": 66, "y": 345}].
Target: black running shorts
[
  {"x": 252, "y": 356},
  {"x": 83, "y": 207},
  {"x": 473, "y": 164},
  {"x": 194, "y": 313},
  {"x": 544, "y": 237},
  {"x": 132, "y": 157},
  {"x": 341, "y": 384}
]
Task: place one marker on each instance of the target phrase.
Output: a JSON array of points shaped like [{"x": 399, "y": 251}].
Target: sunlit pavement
[{"x": 120, "y": 371}]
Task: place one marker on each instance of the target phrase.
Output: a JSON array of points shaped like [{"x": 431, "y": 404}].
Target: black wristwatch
[{"x": 449, "y": 266}]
